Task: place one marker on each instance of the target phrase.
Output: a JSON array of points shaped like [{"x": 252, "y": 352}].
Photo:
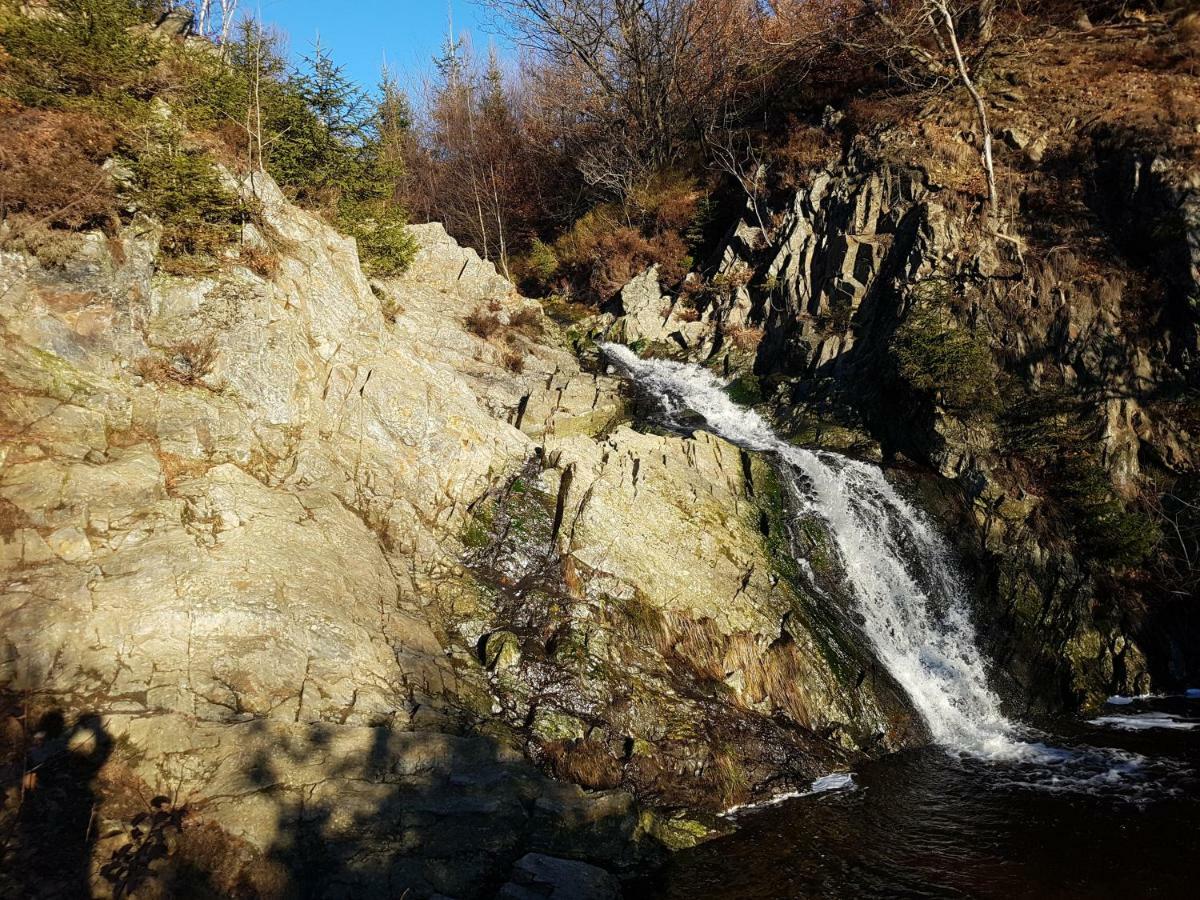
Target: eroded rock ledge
[{"x": 340, "y": 581}]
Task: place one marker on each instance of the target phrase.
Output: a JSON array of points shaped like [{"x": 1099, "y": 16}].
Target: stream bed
[{"x": 927, "y": 823}]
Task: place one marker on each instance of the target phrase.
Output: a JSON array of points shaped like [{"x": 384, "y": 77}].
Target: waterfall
[{"x": 898, "y": 569}]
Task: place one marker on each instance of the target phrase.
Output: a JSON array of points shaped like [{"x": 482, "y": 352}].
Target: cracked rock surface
[{"x": 236, "y": 521}]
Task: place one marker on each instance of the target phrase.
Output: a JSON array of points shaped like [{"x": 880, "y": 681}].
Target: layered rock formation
[
  {"x": 1039, "y": 364},
  {"x": 321, "y": 570}
]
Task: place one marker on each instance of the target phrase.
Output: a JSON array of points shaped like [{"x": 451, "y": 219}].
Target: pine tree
[{"x": 340, "y": 104}]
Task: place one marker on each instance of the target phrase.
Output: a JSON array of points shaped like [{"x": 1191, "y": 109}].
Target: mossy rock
[
  {"x": 677, "y": 831},
  {"x": 501, "y": 651},
  {"x": 555, "y": 725}
]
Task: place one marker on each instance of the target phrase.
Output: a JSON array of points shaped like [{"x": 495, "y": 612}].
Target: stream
[{"x": 1107, "y": 806}]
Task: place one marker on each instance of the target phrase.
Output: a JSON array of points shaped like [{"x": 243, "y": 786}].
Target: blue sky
[{"x": 360, "y": 34}]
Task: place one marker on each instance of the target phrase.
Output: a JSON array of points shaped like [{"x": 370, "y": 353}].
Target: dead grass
[
  {"x": 186, "y": 363},
  {"x": 583, "y": 762},
  {"x": 527, "y": 320},
  {"x": 513, "y": 359},
  {"x": 262, "y": 261},
  {"x": 482, "y": 322},
  {"x": 746, "y": 338},
  {"x": 51, "y": 167},
  {"x": 54, "y": 248}
]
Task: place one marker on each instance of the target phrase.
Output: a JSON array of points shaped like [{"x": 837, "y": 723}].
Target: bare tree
[
  {"x": 922, "y": 41},
  {"x": 214, "y": 20},
  {"x": 732, "y": 150},
  {"x": 643, "y": 73}
]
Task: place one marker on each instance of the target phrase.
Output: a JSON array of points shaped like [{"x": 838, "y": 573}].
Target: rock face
[
  {"x": 647, "y": 316},
  {"x": 867, "y": 242},
  {"x": 310, "y": 560}
]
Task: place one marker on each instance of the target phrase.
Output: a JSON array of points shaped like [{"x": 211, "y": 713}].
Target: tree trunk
[{"x": 980, "y": 106}]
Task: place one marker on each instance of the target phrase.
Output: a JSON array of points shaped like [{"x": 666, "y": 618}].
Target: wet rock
[{"x": 536, "y": 876}]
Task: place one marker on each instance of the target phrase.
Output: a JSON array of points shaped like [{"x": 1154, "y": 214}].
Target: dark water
[{"x": 1120, "y": 818}]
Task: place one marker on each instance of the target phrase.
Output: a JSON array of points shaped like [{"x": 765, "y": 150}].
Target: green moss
[
  {"x": 478, "y": 532},
  {"x": 746, "y": 389},
  {"x": 818, "y": 617}
]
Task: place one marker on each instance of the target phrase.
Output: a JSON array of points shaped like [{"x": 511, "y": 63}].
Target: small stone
[
  {"x": 536, "y": 875},
  {"x": 1016, "y": 138},
  {"x": 70, "y": 544}
]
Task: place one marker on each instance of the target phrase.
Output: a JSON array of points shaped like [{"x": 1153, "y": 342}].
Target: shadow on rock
[
  {"x": 293, "y": 810},
  {"x": 48, "y": 823}
]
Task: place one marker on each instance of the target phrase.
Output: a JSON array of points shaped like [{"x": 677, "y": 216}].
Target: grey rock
[{"x": 537, "y": 876}]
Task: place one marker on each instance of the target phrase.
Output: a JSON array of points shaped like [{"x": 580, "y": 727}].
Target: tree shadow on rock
[{"x": 363, "y": 812}]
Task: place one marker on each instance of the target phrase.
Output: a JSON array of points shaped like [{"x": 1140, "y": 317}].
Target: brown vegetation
[
  {"x": 584, "y": 762},
  {"x": 482, "y": 322},
  {"x": 51, "y": 167},
  {"x": 186, "y": 363}
]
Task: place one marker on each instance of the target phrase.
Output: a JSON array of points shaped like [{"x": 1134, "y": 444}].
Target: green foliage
[
  {"x": 181, "y": 189},
  {"x": 384, "y": 244},
  {"x": 937, "y": 357},
  {"x": 541, "y": 262},
  {"x": 83, "y": 48},
  {"x": 1053, "y": 431},
  {"x": 325, "y": 141},
  {"x": 1105, "y": 528},
  {"x": 478, "y": 532}
]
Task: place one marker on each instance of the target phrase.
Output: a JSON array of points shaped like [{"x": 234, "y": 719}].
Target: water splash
[{"x": 896, "y": 566}]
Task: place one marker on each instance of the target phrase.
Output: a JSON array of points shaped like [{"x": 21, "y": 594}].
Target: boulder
[{"x": 536, "y": 876}]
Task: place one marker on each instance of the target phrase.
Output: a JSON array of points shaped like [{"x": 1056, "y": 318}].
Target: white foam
[
  {"x": 1121, "y": 700},
  {"x": 835, "y": 781},
  {"x": 1145, "y": 722}
]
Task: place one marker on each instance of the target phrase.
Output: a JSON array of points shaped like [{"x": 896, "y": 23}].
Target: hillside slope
[{"x": 324, "y": 561}]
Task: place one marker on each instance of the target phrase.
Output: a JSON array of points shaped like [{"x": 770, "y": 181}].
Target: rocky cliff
[
  {"x": 1031, "y": 369},
  {"x": 310, "y": 582}
]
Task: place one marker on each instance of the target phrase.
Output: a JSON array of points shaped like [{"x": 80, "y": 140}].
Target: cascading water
[
  {"x": 911, "y": 600},
  {"x": 899, "y": 570}
]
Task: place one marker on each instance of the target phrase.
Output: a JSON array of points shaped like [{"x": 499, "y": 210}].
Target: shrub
[
  {"x": 482, "y": 323},
  {"x": 1104, "y": 527},
  {"x": 807, "y": 148},
  {"x": 182, "y": 190},
  {"x": 937, "y": 357},
  {"x": 541, "y": 263},
  {"x": 513, "y": 359},
  {"x": 262, "y": 261},
  {"x": 527, "y": 320},
  {"x": 51, "y": 167},
  {"x": 384, "y": 245},
  {"x": 80, "y": 48},
  {"x": 745, "y": 337}
]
